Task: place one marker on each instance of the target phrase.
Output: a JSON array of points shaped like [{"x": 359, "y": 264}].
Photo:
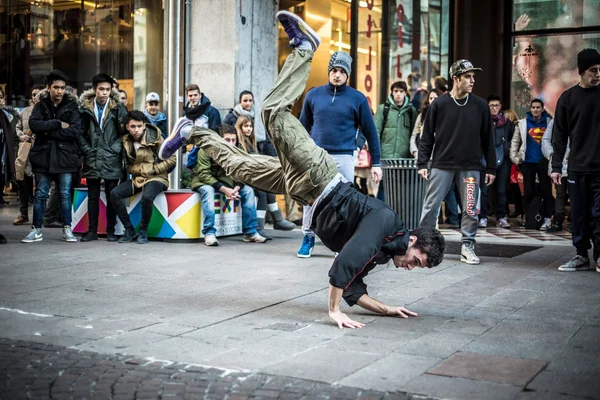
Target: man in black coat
[{"x": 56, "y": 122}]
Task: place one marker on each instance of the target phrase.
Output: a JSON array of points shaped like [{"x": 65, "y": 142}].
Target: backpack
[{"x": 534, "y": 214}]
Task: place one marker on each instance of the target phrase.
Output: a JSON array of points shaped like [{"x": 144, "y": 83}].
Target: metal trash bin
[{"x": 404, "y": 189}]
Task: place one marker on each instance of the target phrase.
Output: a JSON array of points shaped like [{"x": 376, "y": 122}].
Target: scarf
[
  {"x": 155, "y": 120},
  {"x": 499, "y": 120},
  {"x": 259, "y": 129}
]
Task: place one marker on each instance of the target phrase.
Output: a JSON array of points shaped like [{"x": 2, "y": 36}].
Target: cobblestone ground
[{"x": 39, "y": 371}]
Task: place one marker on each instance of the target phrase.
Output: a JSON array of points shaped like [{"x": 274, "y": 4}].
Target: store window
[
  {"x": 369, "y": 50},
  {"x": 81, "y": 39},
  {"x": 545, "y": 64}
]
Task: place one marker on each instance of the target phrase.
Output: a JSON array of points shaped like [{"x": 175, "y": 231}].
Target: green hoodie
[{"x": 395, "y": 137}]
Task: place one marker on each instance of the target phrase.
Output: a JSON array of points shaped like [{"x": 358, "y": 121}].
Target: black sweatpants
[
  {"x": 94, "y": 204},
  {"x": 530, "y": 170},
  {"x": 584, "y": 189}
]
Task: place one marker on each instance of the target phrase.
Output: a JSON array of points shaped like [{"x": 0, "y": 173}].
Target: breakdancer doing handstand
[{"x": 364, "y": 231}]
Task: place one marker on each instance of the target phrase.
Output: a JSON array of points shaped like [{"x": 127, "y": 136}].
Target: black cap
[{"x": 462, "y": 66}]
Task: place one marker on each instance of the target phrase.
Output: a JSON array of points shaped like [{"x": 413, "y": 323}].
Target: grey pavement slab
[
  {"x": 576, "y": 384},
  {"x": 443, "y": 387},
  {"x": 481, "y": 367}
]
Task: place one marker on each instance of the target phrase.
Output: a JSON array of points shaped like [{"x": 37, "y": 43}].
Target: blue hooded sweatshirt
[
  {"x": 535, "y": 132},
  {"x": 332, "y": 116}
]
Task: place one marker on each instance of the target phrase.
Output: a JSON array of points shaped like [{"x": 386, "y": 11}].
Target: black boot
[
  {"x": 2, "y": 239},
  {"x": 89, "y": 236},
  {"x": 143, "y": 236},
  {"x": 129, "y": 235},
  {"x": 110, "y": 235}
]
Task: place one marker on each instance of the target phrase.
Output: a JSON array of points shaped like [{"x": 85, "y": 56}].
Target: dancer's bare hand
[
  {"x": 424, "y": 173},
  {"x": 343, "y": 321},
  {"x": 556, "y": 178},
  {"x": 376, "y": 174},
  {"x": 401, "y": 312}
]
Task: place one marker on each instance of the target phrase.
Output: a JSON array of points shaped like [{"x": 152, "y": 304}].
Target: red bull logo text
[{"x": 471, "y": 198}]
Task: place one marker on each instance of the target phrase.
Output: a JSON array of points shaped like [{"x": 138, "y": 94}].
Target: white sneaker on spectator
[
  {"x": 467, "y": 254},
  {"x": 482, "y": 223},
  {"x": 255, "y": 238},
  {"x": 211, "y": 240},
  {"x": 34, "y": 236},
  {"x": 577, "y": 263},
  {"x": 546, "y": 225},
  {"x": 68, "y": 234},
  {"x": 503, "y": 223}
]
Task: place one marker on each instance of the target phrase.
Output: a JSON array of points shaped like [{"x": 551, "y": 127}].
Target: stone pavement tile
[
  {"x": 473, "y": 326},
  {"x": 446, "y": 388},
  {"x": 364, "y": 344},
  {"x": 576, "y": 360},
  {"x": 399, "y": 329},
  {"x": 538, "y": 282},
  {"x": 167, "y": 328},
  {"x": 440, "y": 306},
  {"x": 391, "y": 373},
  {"x": 134, "y": 342},
  {"x": 575, "y": 384},
  {"x": 531, "y": 395},
  {"x": 437, "y": 344},
  {"x": 482, "y": 367},
  {"x": 510, "y": 298},
  {"x": 316, "y": 364}
]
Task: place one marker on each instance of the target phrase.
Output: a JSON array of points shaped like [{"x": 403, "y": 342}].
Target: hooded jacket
[
  {"x": 204, "y": 114},
  {"x": 208, "y": 172},
  {"x": 101, "y": 143},
  {"x": 143, "y": 164},
  {"x": 395, "y": 135},
  {"x": 55, "y": 149},
  {"x": 518, "y": 145},
  {"x": 8, "y": 154},
  {"x": 363, "y": 230}
]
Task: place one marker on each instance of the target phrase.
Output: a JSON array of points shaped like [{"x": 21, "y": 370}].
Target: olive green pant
[{"x": 302, "y": 169}]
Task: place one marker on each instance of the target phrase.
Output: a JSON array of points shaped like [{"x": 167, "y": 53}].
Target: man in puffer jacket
[
  {"x": 56, "y": 123},
  {"x": 103, "y": 117},
  {"x": 149, "y": 174}
]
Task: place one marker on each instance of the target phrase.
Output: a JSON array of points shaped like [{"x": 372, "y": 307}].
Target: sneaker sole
[
  {"x": 254, "y": 241},
  {"x": 463, "y": 259},
  {"x": 31, "y": 240},
  {"x": 304, "y": 255},
  {"x": 575, "y": 269},
  {"x": 311, "y": 35},
  {"x": 212, "y": 244}
]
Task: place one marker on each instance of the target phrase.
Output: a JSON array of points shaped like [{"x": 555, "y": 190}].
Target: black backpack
[{"x": 534, "y": 215}]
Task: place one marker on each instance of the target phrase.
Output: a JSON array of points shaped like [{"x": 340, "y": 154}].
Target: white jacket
[
  {"x": 548, "y": 150},
  {"x": 518, "y": 145}
]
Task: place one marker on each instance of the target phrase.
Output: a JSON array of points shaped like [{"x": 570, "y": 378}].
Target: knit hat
[
  {"x": 342, "y": 60},
  {"x": 587, "y": 58}
]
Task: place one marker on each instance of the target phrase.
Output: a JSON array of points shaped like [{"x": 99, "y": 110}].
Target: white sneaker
[
  {"x": 546, "y": 225},
  {"x": 68, "y": 234},
  {"x": 34, "y": 236},
  {"x": 467, "y": 254},
  {"x": 211, "y": 240},
  {"x": 483, "y": 223},
  {"x": 255, "y": 237},
  {"x": 503, "y": 223},
  {"x": 578, "y": 263}
]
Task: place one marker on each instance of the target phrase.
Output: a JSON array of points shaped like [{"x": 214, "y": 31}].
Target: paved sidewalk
[{"x": 510, "y": 328}]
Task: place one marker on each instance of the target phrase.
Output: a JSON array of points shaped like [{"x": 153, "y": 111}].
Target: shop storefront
[
  {"x": 547, "y": 35},
  {"x": 123, "y": 38},
  {"x": 389, "y": 40}
]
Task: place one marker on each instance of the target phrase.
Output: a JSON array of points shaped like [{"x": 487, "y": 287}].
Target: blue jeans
[
  {"x": 42, "y": 190},
  {"x": 249, "y": 222}
]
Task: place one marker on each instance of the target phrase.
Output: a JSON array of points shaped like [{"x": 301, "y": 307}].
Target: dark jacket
[
  {"x": 102, "y": 146},
  {"x": 208, "y": 172},
  {"x": 10, "y": 140},
  {"x": 208, "y": 115},
  {"x": 55, "y": 149},
  {"x": 364, "y": 231}
]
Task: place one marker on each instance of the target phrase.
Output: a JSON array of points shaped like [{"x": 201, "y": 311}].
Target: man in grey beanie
[
  {"x": 332, "y": 114},
  {"x": 578, "y": 120}
]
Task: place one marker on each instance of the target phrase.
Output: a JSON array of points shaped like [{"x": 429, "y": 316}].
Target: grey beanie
[{"x": 342, "y": 60}]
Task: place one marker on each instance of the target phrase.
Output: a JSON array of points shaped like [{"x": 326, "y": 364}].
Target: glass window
[
  {"x": 369, "y": 50},
  {"x": 545, "y": 66},
  {"x": 551, "y": 14}
]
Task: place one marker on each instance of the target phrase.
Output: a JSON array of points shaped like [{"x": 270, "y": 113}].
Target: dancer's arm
[
  {"x": 341, "y": 319},
  {"x": 376, "y": 306}
]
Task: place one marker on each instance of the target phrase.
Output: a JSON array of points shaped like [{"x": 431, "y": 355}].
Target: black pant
[
  {"x": 584, "y": 190},
  {"x": 561, "y": 201},
  {"x": 94, "y": 204},
  {"x": 125, "y": 190},
  {"x": 25, "y": 194},
  {"x": 530, "y": 170},
  {"x": 501, "y": 184}
]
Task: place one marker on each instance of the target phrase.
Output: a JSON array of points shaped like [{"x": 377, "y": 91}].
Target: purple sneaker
[
  {"x": 297, "y": 30},
  {"x": 176, "y": 140}
]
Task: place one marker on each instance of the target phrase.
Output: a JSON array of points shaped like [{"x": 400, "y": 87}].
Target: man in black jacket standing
[
  {"x": 364, "y": 230},
  {"x": 578, "y": 120},
  {"x": 56, "y": 122},
  {"x": 103, "y": 117},
  {"x": 459, "y": 124}
]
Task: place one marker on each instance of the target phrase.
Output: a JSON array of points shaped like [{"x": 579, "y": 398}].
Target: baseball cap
[
  {"x": 152, "y": 96},
  {"x": 462, "y": 66}
]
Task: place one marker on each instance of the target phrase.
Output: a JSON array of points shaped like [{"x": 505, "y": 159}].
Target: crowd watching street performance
[{"x": 465, "y": 147}]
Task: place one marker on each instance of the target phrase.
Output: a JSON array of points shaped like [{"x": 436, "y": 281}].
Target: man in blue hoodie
[{"x": 333, "y": 114}]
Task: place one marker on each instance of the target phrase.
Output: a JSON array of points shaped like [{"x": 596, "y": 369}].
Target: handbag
[
  {"x": 22, "y": 160},
  {"x": 364, "y": 159}
]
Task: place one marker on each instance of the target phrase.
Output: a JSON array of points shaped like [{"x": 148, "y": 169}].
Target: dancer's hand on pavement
[
  {"x": 556, "y": 178},
  {"x": 423, "y": 172},
  {"x": 376, "y": 174},
  {"x": 401, "y": 312},
  {"x": 343, "y": 321}
]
